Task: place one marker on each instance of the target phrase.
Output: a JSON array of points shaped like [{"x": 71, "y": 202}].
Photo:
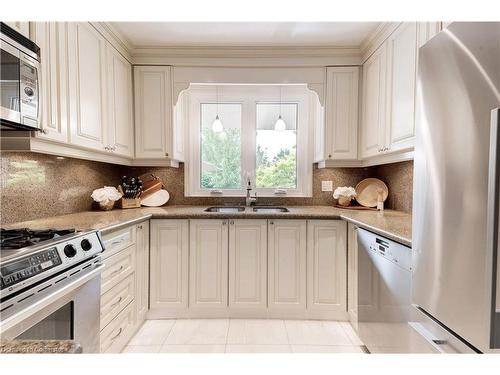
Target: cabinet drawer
[
  {"x": 116, "y": 334},
  {"x": 117, "y": 268},
  {"x": 118, "y": 240},
  {"x": 115, "y": 299}
]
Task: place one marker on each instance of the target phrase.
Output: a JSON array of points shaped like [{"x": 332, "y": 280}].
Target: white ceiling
[{"x": 220, "y": 34}]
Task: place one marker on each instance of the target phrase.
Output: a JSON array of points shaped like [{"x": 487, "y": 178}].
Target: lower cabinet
[
  {"x": 248, "y": 265},
  {"x": 142, "y": 271},
  {"x": 287, "y": 265},
  {"x": 326, "y": 268},
  {"x": 169, "y": 267},
  {"x": 124, "y": 285},
  {"x": 254, "y": 268},
  {"x": 208, "y": 262},
  {"x": 352, "y": 272}
]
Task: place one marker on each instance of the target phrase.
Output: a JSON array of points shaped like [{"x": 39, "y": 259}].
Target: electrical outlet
[{"x": 326, "y": 186}]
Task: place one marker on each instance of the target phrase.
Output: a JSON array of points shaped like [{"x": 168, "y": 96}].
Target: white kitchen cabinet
[
  {"x": 51, "y": 37},
  {"x": 169, "y": 266},
  {"x": 208, "y": 275},
  {"x": 87, "y": 71},
  {"x": 401, "y": 85},
  {"x": 425, "y": 31},
  {"x": 120, "y": 124},
  {"x": 352, "y": 272},
  {"x": 21, "y": 27},
  {"x": 155, "y": 135},
  {"x": 374, "y": 103},
  {"x": 389, "y": 83},
  {"x": 248, "y": 265},
  {"x": 142, "y": 271},
  {"x": 326, "y": 267},
  {"x": 340, "y": 141},
  {"x": 287, "y": 265}
]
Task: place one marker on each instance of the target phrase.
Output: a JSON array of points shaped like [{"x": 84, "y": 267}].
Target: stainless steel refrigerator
[{"x": 456, "y": 184}]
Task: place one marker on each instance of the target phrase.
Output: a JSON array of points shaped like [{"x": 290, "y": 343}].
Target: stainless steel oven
[
  {"x": 68, "y": 310},
  {"x": 19, "y": 81}
]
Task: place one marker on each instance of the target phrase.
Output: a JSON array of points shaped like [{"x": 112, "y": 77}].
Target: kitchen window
[{"x": 234, "y": 137}]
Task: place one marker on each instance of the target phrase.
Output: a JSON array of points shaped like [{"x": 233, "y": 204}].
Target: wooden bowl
[
  {"x": 367, "y": 191},
  {"x": 344, "y": 201}
]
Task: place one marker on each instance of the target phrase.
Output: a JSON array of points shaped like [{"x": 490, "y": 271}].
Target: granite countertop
[
  {"x": 394, "y": 225},
  {"x": 39, "y": 347}
]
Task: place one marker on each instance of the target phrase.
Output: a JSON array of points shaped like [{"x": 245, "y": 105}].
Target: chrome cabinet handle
[
  {"x": 116, "y": 242},
  {"x": 117, "y": 302},
  {"x": 271, "y": 222},
  {"x": 118, "y": 334},
  {"x": 231, "y": 222},
  {"x": 224, "y": 222},
  {"x": 106, "y": 148},
  {"x": 117, "y": 271},
  {"x": 139, "y": 226}
]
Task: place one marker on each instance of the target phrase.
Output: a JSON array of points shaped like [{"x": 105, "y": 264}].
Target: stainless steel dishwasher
[{"x": 384, "y": 309}]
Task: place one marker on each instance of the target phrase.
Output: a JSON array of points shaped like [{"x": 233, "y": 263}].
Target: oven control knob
[
  {"x": 70, "y": 251},
  {"x": 86, "y": 245}
]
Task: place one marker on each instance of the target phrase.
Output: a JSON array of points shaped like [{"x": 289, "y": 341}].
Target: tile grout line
[{"x": 169, "y": 332}]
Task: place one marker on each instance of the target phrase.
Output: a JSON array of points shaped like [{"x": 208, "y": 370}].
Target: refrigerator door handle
[{"x": 493, "y": 224}]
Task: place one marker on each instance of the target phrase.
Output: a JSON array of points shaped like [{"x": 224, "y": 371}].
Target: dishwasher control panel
[{"x": 393, "y": 251}]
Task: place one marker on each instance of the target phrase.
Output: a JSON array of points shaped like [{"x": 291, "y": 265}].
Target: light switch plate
[{"x": 326, "y": 186}]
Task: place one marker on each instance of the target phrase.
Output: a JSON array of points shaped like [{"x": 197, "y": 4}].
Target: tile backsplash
[{"x": 36, "y": 185}]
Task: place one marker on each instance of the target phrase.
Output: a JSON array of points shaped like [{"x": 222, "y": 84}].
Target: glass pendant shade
[
  {"x": 217, "y": 125},
  {"x": 280, "y": 124}
]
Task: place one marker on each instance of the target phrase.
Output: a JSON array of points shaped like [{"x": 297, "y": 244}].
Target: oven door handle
[{"x": 45, "y": 300}]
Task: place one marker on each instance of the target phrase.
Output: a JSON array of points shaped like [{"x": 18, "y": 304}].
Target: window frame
[{"x": 249, "y": 96}]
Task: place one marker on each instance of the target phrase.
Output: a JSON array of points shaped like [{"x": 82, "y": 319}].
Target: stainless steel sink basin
[
  {"x": 270, "y": 209},
  {"x": 225, "y": 209}
]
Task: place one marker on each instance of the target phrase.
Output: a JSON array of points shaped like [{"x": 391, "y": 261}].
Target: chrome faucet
[{"x": 249, "y": 200}]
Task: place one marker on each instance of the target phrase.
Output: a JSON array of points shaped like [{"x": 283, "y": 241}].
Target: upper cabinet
[
  {"x": 51, "y": 37},
  {"x": 401, "y": 77},
  {"x": 156, "y": 137},
  {"x": 338, "y": 140},
  {"x": 120, "y": 107},
  {"x": 87, "y": 62},
  {"x": 389, "y": 87},
  {"x": 374, "y": 98}
]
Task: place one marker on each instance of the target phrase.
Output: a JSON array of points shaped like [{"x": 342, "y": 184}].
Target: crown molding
[
  {"x": 374, "y": 40},
  {"x": 246, "y": 56},
  {"x": 116, "y": 38}
]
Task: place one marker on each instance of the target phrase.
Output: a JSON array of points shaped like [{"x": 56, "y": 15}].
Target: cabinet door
[
  {"x": 248, "y": 264},
  {"x": 142, "y": 271},
  {"x": 153, "y": 111},
  {"x": 208, "y": 252},
  {"x": 287, "y": 265},
  {"x": 342, "y": 113},
  {"x": 120, "y": 128},
  {"x": 51, "y": 37},
  {"x": 87, "y": 66},
  {"x": 352, "y": 272},
  {"x": 169, "y": 264},
  {"x": 401, "y": 77},
  {"x": 373, "y": 114},
  {"x": 20, "y": 27},
  {"x": 326, "y": 259}
]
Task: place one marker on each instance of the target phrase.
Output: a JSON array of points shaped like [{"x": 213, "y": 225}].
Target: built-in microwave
[{"x": 19, "y": 81}]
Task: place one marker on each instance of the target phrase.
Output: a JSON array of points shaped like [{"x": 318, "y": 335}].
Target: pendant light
[
  {"x": 217, "y": 126},
  {"x": 280, "y": 124}
]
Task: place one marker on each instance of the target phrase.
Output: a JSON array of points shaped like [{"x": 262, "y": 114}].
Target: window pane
[
  {"x": 276, "y": 154},
  {"x": 221, "y": 150}
]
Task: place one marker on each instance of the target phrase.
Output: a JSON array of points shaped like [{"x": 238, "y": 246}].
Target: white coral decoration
[
  {"x": 344, "y": 191},
  {"x": 106, "y": 194}
]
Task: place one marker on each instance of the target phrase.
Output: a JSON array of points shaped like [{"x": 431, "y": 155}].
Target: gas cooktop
[{"x": 12, "y": 239}]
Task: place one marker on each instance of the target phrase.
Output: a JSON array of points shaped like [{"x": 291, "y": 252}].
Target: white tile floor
[{"x": 244, "y": 336}]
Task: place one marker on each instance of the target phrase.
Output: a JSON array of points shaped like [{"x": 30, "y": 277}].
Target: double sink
[{"x": 229, "y": 209}]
